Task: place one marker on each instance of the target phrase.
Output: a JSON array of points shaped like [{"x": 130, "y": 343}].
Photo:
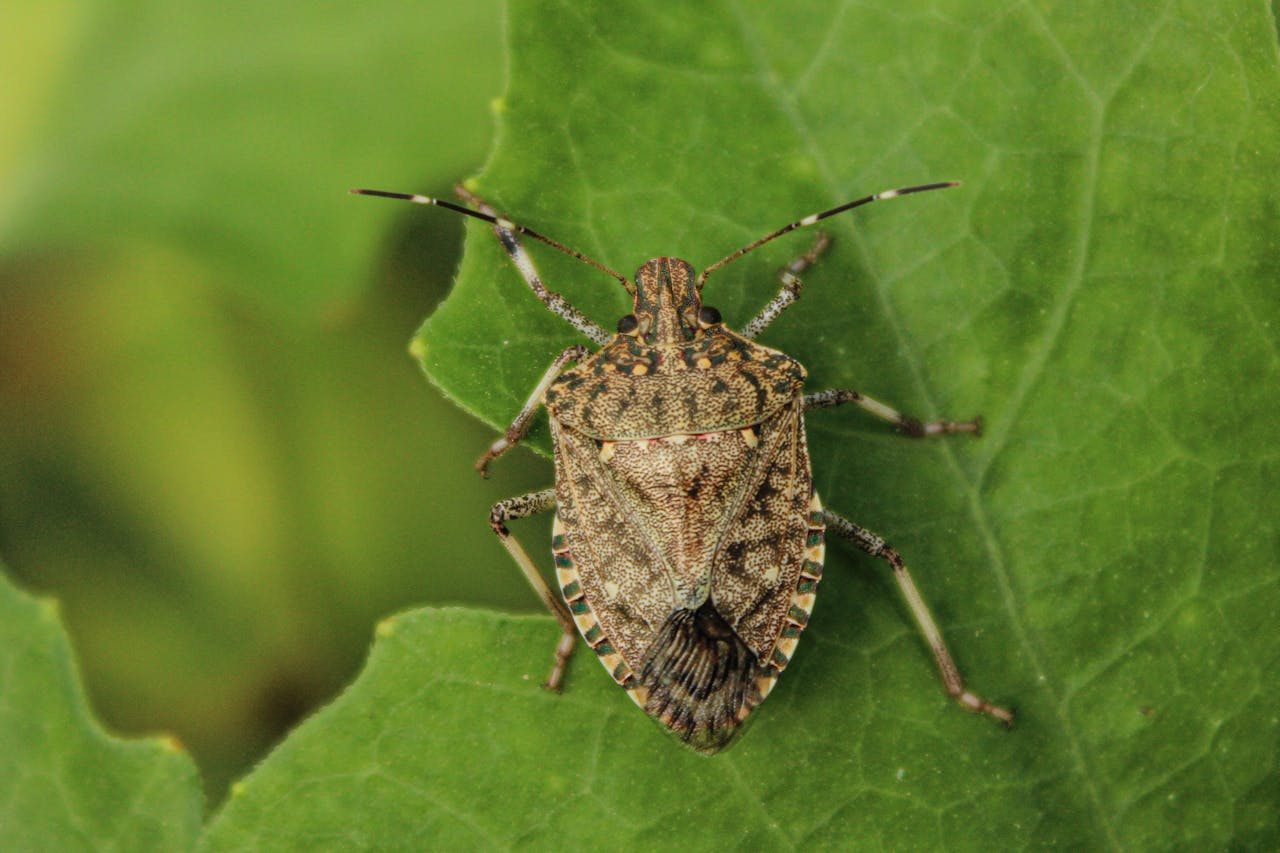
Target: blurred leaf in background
[{"x": 214, "y": 448}]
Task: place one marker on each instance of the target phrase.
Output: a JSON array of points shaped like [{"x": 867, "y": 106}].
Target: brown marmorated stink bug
[{"x": 688, "y": 539}]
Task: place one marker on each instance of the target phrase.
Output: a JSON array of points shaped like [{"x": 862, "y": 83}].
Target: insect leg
[
  {"x": 557, "y": 304},
  {"x": 951, "y": 679},
  {"x": 790, "y": 291},
  {"x": 521, "y": 424},
  {"x": 907, "y": 425},
  {"x": 523, "y": 507}
]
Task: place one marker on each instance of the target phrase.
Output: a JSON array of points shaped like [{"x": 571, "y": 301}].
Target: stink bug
[{"x": 688, "y": 539}]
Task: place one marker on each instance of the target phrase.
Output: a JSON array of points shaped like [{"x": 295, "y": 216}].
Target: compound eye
[
  {"x": 708, "y": 316},
  {"x": 628, "y": 324}
]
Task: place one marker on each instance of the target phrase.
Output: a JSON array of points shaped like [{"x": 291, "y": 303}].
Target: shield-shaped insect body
[
  {"x": 688, "y": 541},
  {"x": 687, "y": 537}
]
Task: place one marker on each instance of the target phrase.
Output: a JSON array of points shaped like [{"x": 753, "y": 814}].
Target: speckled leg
[
  {"x": 557, "y": 304},
  {"x": 523, "y": 507},
  {"x": 521, "y": 424},
  {"x": 790, "y": 291},
  {"x": 907, "y": 425},
  {"x": 877, "y": 547}
]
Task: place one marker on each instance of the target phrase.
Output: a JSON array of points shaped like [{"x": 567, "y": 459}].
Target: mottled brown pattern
[
  {"x": 740, "y": 383},
  {"x": 615, "y": 560},
  {"x": 680, "y": 495},
  {"x": 762, "y": 542},
  {"x": 689, "y": 550}
]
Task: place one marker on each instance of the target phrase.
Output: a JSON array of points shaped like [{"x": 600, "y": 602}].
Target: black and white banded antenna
[
  {"x": 814, "y": 218},
  {"x": 504, "y": 224}
]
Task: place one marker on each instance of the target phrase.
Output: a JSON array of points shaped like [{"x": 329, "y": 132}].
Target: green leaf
[
  {"x": 1105, "y": 557},
  {"x": 447, "y": 742},
  {"x": 64, "y": 783}
]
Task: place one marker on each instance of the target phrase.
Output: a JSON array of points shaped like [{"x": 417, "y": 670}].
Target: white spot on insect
[
  {"x": 611, "y": 589},
  {"x": 771, "y": 576},
  {"x": 887, "y": 194},
  {"x": 809, "y": 220},
  {"x": 880, "y": 410},
  {"x": 749, "y": 436},
  {"x": 607, "y": 449}
]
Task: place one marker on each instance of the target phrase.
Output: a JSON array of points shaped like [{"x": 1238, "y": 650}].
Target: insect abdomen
[{"x": 700, "y": 679}]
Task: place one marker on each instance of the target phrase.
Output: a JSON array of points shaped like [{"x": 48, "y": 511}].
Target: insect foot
[{"x": 687, "y": 537}]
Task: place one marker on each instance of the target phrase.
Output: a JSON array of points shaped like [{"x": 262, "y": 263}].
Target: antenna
[
  {"x": 818, "y": 217},
  {"x": 501, "y": 223}
]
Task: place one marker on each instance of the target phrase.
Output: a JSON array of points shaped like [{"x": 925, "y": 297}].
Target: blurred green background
[{"x": 215, "y": 450}]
